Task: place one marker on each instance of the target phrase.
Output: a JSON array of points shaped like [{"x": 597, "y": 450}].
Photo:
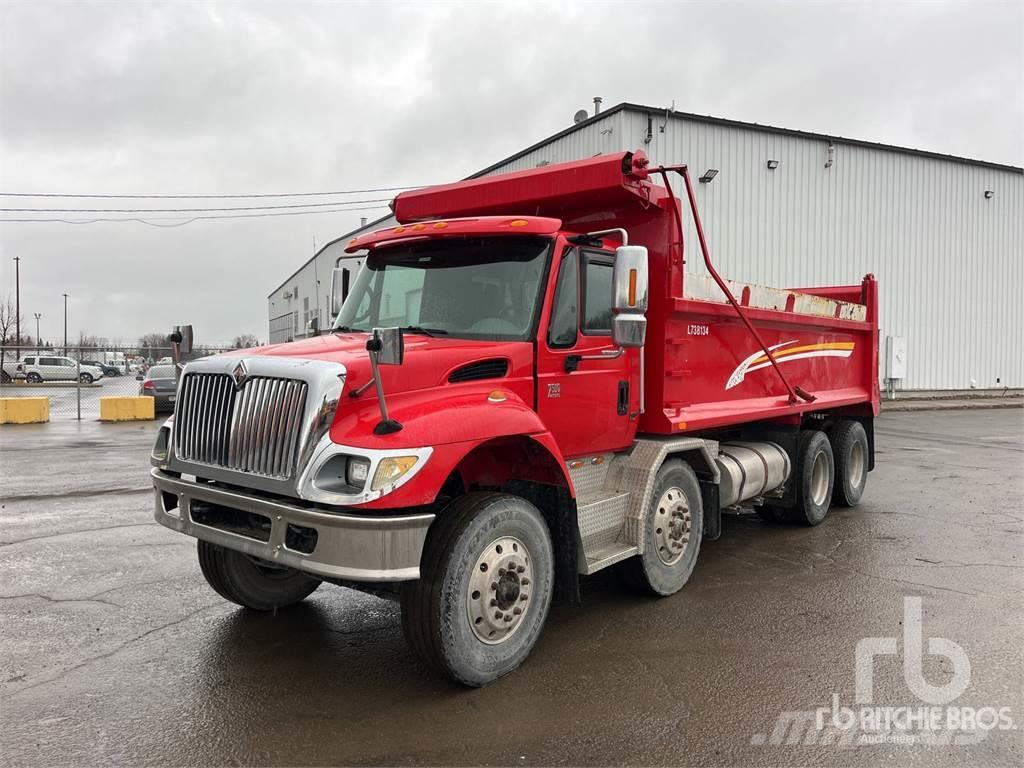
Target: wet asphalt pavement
[{"x": 114, "y": 650}]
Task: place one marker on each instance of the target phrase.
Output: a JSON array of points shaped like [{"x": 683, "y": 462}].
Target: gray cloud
[{"x": 234, "y": 98}]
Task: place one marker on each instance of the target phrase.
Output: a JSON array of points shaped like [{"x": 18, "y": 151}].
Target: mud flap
[{"x": 712, "y": 510}]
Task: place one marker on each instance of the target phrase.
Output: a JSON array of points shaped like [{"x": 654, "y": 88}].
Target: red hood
[{"x": 428, "y": 360}]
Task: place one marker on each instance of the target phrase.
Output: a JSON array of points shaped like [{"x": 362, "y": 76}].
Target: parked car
[
  {"x": 107, "y": 368},
  {"x": 160, "y": 384},
  {"x": 36, "y": 369}
]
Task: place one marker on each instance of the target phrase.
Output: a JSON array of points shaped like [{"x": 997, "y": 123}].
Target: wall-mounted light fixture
[
  {"x": 773, "y": 164},
  {"x": 989, "y": 194},
  {"x": 709, "y": 174}
]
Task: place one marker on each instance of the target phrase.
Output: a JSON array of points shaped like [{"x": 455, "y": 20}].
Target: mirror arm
[{"x": 386, "y": 425}]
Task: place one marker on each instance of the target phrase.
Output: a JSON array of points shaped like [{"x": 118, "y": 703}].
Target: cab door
[{"x": 587, "y": 390}]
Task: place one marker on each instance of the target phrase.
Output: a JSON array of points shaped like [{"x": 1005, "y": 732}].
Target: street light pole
[
  {"x": 65, "y": 325},
  {"x": 17, "y": 300},
  {"x": 38, "y": 315}
]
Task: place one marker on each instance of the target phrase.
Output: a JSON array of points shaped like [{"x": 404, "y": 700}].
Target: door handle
[{"x": 572, "y": 362}]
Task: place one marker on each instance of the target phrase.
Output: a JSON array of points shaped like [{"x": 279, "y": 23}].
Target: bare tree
[
  {"x": 153, "y": 346},
  {"x": 245, "y": 341},
  {"x": 8, "y": 322}
]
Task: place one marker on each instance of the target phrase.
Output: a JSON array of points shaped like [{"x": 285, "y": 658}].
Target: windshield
[{"x": 474, "y": 288}]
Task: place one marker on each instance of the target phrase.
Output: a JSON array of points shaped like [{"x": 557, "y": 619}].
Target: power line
[
  {"x": 192, "y": 210},
  {"x": 152, "y": 222},
  {"x": 211, "y": 197}
]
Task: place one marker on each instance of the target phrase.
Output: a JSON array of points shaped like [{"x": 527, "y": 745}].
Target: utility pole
[
  {"x": 65, "y": 353},
  {"x": 38, "y": 315},
  {"x": 17, "y": 301}
]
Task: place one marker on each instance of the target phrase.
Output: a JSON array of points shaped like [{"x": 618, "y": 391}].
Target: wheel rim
[
  {"x": 855, "y": 466},
  {"x": 500, "y": 589},
  {"x": 672, "y": 525},
  {"x": 819, "y": 479}
]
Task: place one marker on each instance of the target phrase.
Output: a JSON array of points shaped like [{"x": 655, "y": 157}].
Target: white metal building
[{"x": 943, "y": 234}]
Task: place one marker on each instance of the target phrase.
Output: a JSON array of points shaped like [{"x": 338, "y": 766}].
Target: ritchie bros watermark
[{"x": 932, "y": 719}]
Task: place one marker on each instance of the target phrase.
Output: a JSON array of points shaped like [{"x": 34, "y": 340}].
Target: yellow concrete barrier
[
  {"x": 24, "y": 410},
  {"x": 127, "y": 408}
]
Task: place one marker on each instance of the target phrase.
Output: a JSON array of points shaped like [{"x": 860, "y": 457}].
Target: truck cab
[{"x": 508, "y": 401}]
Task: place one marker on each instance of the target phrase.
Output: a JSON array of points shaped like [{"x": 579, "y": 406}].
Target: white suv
[{"x": 35, "y": 369}]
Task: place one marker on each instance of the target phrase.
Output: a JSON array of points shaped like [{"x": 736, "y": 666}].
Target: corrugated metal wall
[{"x": 950, "y": 262}]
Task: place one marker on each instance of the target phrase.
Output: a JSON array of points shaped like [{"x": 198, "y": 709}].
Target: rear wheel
[
  {"x": 485, "y": 587},
  {"x": 251, "y": 582},
  {"x": 815, "y": 467},
  {"x": 850, "y": 445},
  {"x": 673, "y": 527},
  {"x": 33, "y": 378}
]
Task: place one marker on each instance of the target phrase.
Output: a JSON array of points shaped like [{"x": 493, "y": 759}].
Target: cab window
[
  {"x": 565, "y": 309},
  {"x": 597, "y": 294}
]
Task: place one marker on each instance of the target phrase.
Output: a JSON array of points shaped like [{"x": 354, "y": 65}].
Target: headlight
[
  {"x": 391, "y": 469},
  {"x": 163, "y": 437},
  {"x": 356, "y": 471}
]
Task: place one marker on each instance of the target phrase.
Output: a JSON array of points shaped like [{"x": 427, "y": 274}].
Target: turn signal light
[
  {"x": 632, "y": 287},
  {"x": 391, "y": 469}
]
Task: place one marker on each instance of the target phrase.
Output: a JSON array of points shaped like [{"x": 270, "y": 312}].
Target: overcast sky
[{"x": 233, "y": 98}]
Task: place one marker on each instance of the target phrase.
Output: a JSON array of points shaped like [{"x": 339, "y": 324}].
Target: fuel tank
[{"x": 750, "y": 470}]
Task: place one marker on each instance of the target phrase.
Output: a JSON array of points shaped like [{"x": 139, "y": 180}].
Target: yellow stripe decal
[{"x": 808, "y": 348}]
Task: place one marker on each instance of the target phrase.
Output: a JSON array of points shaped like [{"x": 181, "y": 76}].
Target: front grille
[{"x": 255, "y": 429}]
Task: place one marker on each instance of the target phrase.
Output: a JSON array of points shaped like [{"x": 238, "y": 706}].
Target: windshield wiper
[
  {"x": 346, "y": 329},
  {"x": 424, "y": 331}
]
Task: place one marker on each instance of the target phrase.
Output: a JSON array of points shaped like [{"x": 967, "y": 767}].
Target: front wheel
[
  {"x": 251, "y": 582},
  {"x": 485, "y": 587},
  {"x": 85, "y": 378}
]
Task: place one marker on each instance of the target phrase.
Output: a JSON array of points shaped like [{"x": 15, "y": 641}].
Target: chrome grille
[{"x": 255, "y": 429}]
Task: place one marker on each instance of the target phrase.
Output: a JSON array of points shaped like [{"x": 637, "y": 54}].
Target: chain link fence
[{"x": 74, "y": 379}]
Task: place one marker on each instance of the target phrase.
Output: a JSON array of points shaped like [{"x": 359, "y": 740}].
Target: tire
[
  {"x": 85, "y": 378},
  {"x": 448, "y": 617},
  {"x": 673, "y": 528},
  {"x": 850, "y": 445},
  {"x": 244, "y": 580},
  {"x": 816, "y": 468},
  {"x": 33, "y": 378}
]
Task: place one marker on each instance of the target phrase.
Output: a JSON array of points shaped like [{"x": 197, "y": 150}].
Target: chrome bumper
[{"x": 355, "y": 547}]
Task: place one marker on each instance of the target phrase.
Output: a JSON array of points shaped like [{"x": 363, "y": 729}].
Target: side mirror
[
  {"x": 389, "y": 345},
  {"x": 340, "y": 277},
  {"x": 182, "y": 336},
  {"x": 314, "y": 326},
  {"x": 629, "y": 296}
]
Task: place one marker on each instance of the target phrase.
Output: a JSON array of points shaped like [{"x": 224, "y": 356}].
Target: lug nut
[
  {"x": 498, "y": 615},
  {"x": 494, "y": 603},
  {"x": 525, "y": 582},
  {"x": 494, "y": 586},
  {"x": 522, "y": 598},
  {"x": 517, "y": 611},
  {"x": 508, "y": 617},
  {"x": 521, "y": 569}
]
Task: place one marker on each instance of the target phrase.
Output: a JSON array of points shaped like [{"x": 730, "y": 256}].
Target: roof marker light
[
  {"x": 440, "y": 224},
  {"x": 418, "y": 227},
  {"x": 397, "y": 230},
  {"x": 518, "y": 223}
]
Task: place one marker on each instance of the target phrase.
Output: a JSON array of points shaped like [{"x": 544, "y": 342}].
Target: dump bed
[
  {"x": 703, "y": 366},
  {"x": 705, "y": 369}
]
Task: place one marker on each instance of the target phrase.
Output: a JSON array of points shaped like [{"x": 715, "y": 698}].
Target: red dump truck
[{"x": 526, "y": 384}]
